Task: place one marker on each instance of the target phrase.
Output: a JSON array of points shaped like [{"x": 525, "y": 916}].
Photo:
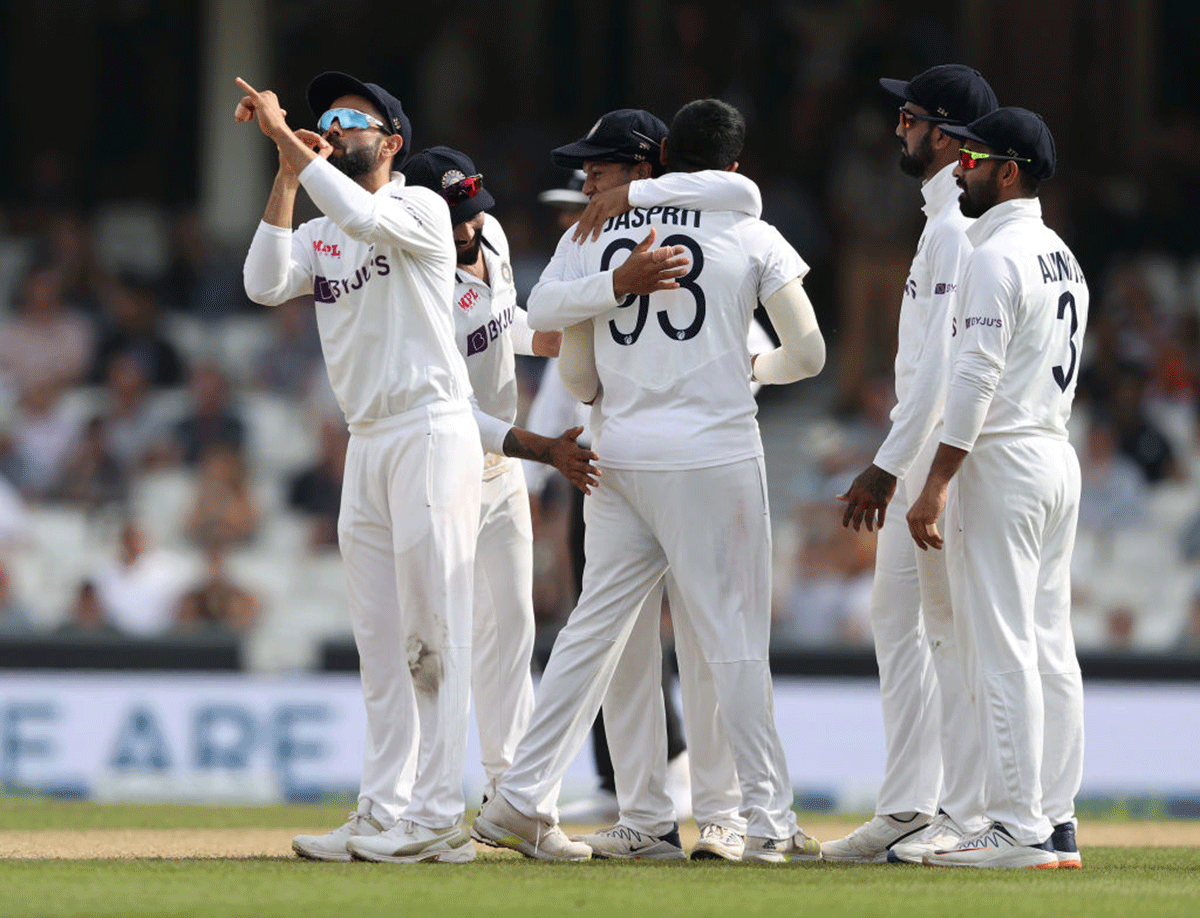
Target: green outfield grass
[{"x": 1115, "y": 882}]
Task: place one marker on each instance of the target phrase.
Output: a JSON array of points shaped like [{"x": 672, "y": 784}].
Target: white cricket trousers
[
  {"x": 501, "y": 682},
  {"x": 1011, "y": 517},
  {"x": 635, "y": 722},
  {"x": 711, "y": 526},
  {"x": 934, "y": 750},
  {"x": 407, "y": 530}
]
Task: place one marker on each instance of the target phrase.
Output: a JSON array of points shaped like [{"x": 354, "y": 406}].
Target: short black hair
[{"x": 705, "y": 134}]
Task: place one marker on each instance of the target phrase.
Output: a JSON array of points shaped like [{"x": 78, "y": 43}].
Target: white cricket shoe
[
  {"x": 800, "y": 847},
  {"x": 995, "y": 847},
  {"x": 408, "y": 843},
  {"x": 599, "y": 807},
  {"x": 718, "y": 843},
  {"x": 622, "y": 842},
  {"x": 940, "y": 835},
  {"x": 501, "y": 824},
  {"x": 332, "y": 845},
  {"x": 869, "y": 843}
]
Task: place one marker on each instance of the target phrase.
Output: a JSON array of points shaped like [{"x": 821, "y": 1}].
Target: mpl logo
[
  {"x": 326, "y": 248},
  {"x": 468, "y": 299}
]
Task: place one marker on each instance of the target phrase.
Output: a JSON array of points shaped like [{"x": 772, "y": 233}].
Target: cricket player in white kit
[
  {"x": 646, "y": 827},
  {"x": 490, "y": 329},
  {"x": 380, "y": 265},
  {"x": 684, "y": 487},
  {"x": 931, "y": 792},
  {"x": 1011, "y": 514}
]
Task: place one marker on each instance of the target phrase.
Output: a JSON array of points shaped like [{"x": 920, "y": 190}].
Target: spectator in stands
[
  {"x": 43, "y": 437},
  {"x": 133, "y": 429},
  {"x": 1114, "y": 489},
  {"x": 87, "y": 619},
  {"x": 288, "y": 363},
  {"x": 1137, "y": 435},
  {"x": 224, "y": 510},
  {"x": 317, "y": 491},
  {"x": 93, "y": 478},
  {"x": 47, "y": 342},
  {"x": 202, "y": 280},
  {"x": 140, "y": 588},
  {"x": 212, "y": 420},
  {"x": 216, "y": 606},
  {"x": 14, "y": 619},
  {"x": 134, "y": 328},
  {"x": 68, "y": 245}
]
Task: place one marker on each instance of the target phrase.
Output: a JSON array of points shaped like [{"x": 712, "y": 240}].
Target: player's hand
[
  {"x": 867, "y": 498},
  {"x": 923, "y": 516},
  {"x": 573, "y": 461},
  {"x": 647, "y": 270},
  {"x": 547, "y": 343},
  {"x": 272, "y": 118},
  {"x": 602, "y": 206}
]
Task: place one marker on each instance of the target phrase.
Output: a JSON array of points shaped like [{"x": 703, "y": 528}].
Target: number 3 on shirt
[
  {"x": 687, "y": 282},
  {"x": 1064, "y": 379}
]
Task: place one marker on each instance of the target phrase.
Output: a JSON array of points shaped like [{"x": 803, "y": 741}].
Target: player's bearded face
[
  {"x": 980, "y": 191},
  {"x": 914, "y": 162},
  {"x": 354, "y": 157},
  {"x": 467, "y": 239}
]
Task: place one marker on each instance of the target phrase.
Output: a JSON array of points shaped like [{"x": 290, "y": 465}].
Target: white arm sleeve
[
  {"x": 561, "y": 298},
  {"x": 577, "y": 362},
  {"x": 521, "y": 334},
  {"x": 801, "y": 353},
  {"x": 417, "y": 221},
  {"x": 270, "y": 274},
  {"x": 709, "y": 189},
  {"x": 492, "y": 431}
]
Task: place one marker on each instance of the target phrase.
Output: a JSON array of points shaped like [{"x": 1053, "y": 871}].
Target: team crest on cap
[
  {"x": 453, "y": 177},
  {"x": 396, "y": 124}
]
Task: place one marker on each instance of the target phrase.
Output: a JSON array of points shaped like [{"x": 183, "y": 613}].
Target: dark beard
[
  {"x": 976, "y": 204},
  {"x": 468, "y": 255},
  {"x": 353, "y": 163},
  {"x": 918, "y": 161}
]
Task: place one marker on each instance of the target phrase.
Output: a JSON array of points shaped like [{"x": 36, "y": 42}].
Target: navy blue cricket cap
[
  {"x": 628, "y": 135},
  {"x": 955, "y": 92},
  {"x": 1013, "y": 131},
  {"x": 441, "y": 168},
  {"x": 326, "y": 87}
]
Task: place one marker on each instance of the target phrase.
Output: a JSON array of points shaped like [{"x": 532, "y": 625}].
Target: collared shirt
[
  {"x": 490, "y": 329},
  {"x": 381, "y": 269},
  {"x": 923, "y": 347},
  {"x": 1022, "y": 316}
]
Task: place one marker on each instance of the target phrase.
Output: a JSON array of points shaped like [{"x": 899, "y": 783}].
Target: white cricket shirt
[
  {"x": 381, "y": 269},
  {"x": 674, "y": 366},
  {"x": 922, "y": 366},
  {"x": 489, "y": 329},
  {"x": 1020, "y": 322}
]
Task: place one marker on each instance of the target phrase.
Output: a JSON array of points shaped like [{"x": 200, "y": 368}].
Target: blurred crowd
[{"x": 171, "y": 456}]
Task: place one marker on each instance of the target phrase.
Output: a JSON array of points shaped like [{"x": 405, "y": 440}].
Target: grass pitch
[{"x": 1126, "y": 881}]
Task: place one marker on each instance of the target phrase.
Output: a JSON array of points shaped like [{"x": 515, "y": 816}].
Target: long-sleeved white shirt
[
  {"x": 490, "y": 329},
  {"x": 381, "y": 269},
  {"x": 1021, "y": 320},
  {"x": 674, "y": 367},
  {"x": 922, "y": 366}
]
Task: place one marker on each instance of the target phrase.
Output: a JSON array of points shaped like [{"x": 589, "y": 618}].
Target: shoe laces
[{"x": 715, "y": 832}]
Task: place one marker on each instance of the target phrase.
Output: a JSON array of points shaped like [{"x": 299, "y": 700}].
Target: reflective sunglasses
[
  {"x": 347, "y": 118},
  {"x": 908, "y": 119},
  {"x": 969, "y": 159},
  {"x": 463, "y": 190}
]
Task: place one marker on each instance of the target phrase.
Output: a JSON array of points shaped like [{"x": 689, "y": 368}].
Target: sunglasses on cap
[
  {"x": 463, "y": 190},
  {"x": 969, "y": 159},
  {"x": 348, "y": 118},
  {"x": 908, "y": 119}
]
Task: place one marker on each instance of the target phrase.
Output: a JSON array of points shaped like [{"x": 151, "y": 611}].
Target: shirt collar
[
  {"x": 938, "y": 190},
  {"x": 1001, "y": 215}
]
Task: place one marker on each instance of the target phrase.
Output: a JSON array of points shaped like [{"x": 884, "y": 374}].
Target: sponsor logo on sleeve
[{"x": 942, "y": 289}]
